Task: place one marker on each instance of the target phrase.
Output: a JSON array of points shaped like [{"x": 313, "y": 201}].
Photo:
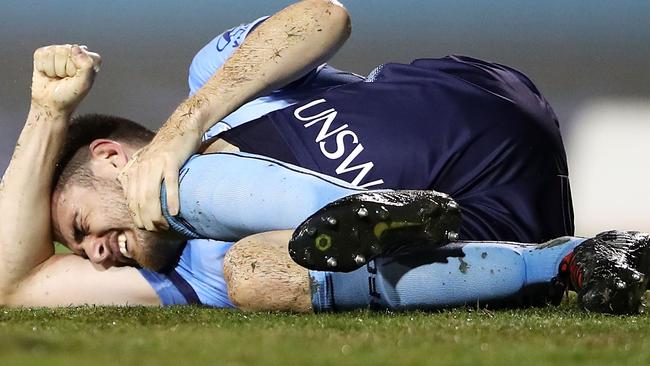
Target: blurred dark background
[{"x": 576, "y": 51}]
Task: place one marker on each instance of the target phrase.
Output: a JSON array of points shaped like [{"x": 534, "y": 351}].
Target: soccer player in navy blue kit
[{"x": 478, "y": 131}]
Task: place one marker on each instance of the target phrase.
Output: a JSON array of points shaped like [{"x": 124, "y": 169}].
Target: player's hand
[
  {"x": 143, "y": 175},
  {"x": 63, "y": 75}
]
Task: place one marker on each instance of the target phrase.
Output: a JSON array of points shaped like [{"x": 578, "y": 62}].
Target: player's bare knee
[
  {"x": 248, "y": 268},
  {"x": 239, "y": 275},
  {"x": 260, "y": 275}
]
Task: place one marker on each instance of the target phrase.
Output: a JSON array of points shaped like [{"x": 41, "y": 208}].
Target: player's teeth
[{"x": 121, "y": 240}]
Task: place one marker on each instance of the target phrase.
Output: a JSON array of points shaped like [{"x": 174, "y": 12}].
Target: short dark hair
[{"x": 82, "y": 132}]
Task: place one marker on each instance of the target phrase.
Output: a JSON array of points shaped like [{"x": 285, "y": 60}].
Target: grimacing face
[{"x": 95, "y": 222}]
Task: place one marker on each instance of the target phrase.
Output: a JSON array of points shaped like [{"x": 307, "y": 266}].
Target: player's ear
[{"x": 107, "y": 157}]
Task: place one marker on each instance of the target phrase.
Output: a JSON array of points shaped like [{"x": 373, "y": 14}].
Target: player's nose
[{"x": 96, "y": 250}]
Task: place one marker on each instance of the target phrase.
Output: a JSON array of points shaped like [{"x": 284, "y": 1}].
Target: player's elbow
[
  {"x": 332, "y": 17},
  {"x": 337, "y": 14},
  {"x": 340, "y": 18}
]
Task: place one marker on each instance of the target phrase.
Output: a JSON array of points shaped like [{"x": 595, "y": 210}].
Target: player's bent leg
[
  {"x": 347, "y": 233},
  {"x": 610, "y": 273},
  {"x": 261, "y": 276},
  {"x": 466, "y": 273}
]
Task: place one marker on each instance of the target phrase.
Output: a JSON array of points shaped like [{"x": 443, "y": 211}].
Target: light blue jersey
[{"x": 198, "y": 277}]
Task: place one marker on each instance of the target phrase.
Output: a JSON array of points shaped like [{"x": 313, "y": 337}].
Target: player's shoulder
[{"x": 215, "y": 53}]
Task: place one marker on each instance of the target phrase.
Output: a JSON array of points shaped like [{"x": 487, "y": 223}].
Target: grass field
[{"x": 192, "y": 336}]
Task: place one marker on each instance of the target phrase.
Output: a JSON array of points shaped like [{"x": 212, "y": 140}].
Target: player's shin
[{"x": 458, "y": 274}]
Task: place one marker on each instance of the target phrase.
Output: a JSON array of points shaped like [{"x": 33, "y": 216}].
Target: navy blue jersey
[{"x": 478, "y": 131}]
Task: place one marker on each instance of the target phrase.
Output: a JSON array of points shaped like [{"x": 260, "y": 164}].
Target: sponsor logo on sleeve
[{"x": 233, "y": 35}]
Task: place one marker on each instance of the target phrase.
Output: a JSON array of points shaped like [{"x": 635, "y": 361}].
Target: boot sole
[{"x": 347, "y": 233}]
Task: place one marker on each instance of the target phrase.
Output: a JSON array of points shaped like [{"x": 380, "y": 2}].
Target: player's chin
[{"x": 160, "y": 252}]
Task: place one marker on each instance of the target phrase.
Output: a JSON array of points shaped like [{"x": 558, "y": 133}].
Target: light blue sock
[
  {"x": 454, "y": 275},
  {"x": 228, "y": 196}
]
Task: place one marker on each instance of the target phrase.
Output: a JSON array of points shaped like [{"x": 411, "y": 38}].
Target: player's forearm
[
  {"x": 25, "y": 235},
  {"x": 282, "y": 49}
]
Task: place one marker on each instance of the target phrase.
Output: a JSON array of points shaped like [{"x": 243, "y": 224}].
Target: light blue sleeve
[
  {"x": 196, "y": 279},
  {"x": 167, "y": 291},
  {"x": 202, "y": 268},
  {"x": 211, "y": 57},
  {"x": 214, "y": 54}
]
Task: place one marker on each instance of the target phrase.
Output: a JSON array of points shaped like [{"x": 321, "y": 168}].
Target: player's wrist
[
  {"x": 49, "y": 112},
  {"x": 178, "y": 136},
  {"x": 187, "y": 122}
]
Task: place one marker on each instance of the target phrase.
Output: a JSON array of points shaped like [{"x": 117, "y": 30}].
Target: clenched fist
[{"x": 63, "y": 75}]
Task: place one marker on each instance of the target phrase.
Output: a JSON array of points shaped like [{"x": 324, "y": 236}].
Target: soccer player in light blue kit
[{"x": 265, "y": 278}]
